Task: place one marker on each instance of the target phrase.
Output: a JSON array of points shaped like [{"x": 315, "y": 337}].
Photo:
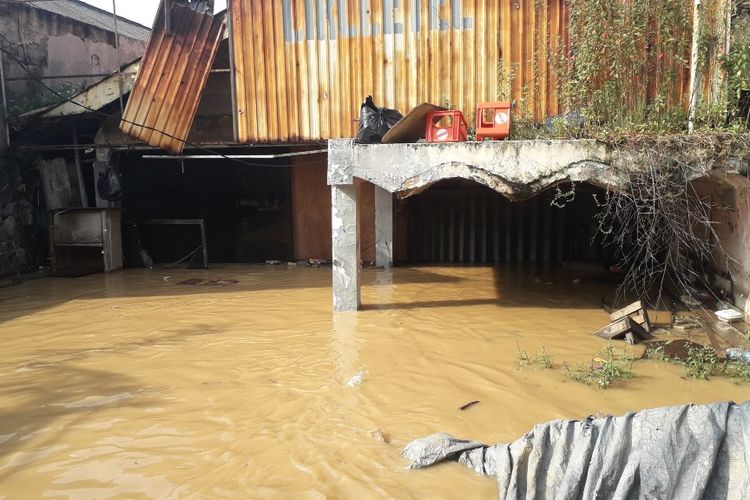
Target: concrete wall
[
  {"x": 730, "y": 199},
  {"x": 50, "y": 44},
  {"x": 16, "y": 220}
]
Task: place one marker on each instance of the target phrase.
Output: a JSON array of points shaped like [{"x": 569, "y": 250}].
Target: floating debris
[
  {"x": 203, "y": 282},
  {"x": 468, "y": 405},
  {"x": 357, "y": 379},
  {"x": 381, "y": 436}
]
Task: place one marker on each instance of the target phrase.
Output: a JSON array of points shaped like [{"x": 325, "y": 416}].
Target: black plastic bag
[
  {"x": 109, "y": 186},
  {"x": 374, "y": 122}
]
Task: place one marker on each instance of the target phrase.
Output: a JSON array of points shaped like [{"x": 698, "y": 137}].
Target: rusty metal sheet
[
  {"x": 302, "y": 67},
  {"x": 172, "y": 76}
]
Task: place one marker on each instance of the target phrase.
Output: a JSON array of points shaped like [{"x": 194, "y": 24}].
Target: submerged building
[{"x": 226, "y": 128}]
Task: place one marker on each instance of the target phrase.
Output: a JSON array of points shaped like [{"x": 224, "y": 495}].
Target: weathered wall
[
  {"x": 311, "y": 208},
  {"x": 366, "y": 221},
  {"x": 730, "y": 199},
  {"x": 16, "y": 219},
  {"x": 51, "y": 44}
]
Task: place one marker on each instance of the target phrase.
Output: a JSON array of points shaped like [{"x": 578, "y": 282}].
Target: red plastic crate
[
  {"x": 493, "y": 120},
  {"x": 446, "y": 126}
]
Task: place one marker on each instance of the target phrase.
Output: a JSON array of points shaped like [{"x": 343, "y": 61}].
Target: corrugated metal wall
[
  {"x": 479, "y": 226},
  {"x": 304, "y": 66}
]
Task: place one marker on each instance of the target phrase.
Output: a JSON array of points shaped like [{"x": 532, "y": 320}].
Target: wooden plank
[
  {"x": 410, "y": 128},
  {"x": 619, "y": 329},
  {"x": 627, "y": 310}
]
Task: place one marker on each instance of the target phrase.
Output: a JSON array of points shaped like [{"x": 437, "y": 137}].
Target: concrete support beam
[
  {"x": 345, "y": 246},
  {"x": 383, "y": 228},
  {"x": 516, "y": 169}
]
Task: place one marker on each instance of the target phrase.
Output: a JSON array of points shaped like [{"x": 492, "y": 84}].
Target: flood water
[{"x": 133, "y": 385}]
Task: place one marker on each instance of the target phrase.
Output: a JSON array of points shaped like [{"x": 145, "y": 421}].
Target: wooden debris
[
  {"x": 381, "y": 436},
  {"x": 620, "y": 328},
  {"x": 721, "y": 335},
  {"x": 467, "y": 405},
  {"x": 636, "y": 311},
  {"x": 204, "y": 282},
  {"x": 410, "y": 128}
]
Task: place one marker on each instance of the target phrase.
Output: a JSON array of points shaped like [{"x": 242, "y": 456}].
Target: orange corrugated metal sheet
[
  {"x": 304, "y": 66},
  {"x": 172, "y": 76}
]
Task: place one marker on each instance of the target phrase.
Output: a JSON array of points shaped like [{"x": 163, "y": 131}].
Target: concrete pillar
[
  {"x": 383, "y": 228},
  {"x": 345, "y": 246}
]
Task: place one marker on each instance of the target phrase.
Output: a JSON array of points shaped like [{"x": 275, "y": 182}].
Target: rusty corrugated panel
[
  {"x": 304, "y": 66},
  {"x": 172, "y": 76}
]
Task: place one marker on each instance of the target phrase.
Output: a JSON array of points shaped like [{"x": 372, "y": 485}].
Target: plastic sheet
[
  {"x": 109, "y": 186},
  {"x": 374, "y": 122},
  {"x": 686, "y": 452}
]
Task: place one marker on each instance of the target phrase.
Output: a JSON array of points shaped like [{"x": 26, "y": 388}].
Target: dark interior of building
[
  {"x": 462, "y": 222},
  {"x": 246, "y": 208}
]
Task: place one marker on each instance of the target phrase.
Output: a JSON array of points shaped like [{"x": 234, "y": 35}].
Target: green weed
[
  {"x": 542, "y": 360},
  {"x": 702, "y": 362},
  {"x": 605, "y": 371}
]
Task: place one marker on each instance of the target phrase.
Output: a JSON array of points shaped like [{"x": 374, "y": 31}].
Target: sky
[{"x": 140, "y": 11}]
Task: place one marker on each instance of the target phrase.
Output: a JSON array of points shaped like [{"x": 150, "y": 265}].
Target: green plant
[
  {"x": 603, "y": 371},
  {"x": 522, "y": 357},
  {"x": 701, "y": 363},
  {"x": 737, "y": 370},
  {"x": 656, "y": 353},
  {"x": 542, "y": 360}
]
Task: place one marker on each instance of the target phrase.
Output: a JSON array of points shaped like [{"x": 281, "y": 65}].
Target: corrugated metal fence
[
  {"x": 479, "y": 226},
  {"x": 304, "y": 66}
]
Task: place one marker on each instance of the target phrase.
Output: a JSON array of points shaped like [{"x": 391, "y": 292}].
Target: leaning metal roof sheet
[{"x": 173, "y": 73}]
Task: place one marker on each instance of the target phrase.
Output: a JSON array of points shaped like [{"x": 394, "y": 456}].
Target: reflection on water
[{"x": 133, "y": 385}]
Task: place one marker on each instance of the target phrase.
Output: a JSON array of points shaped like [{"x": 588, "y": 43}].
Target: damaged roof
[
  {"x": 172, "y": 75},
  {"x": 88, "y": 14}
]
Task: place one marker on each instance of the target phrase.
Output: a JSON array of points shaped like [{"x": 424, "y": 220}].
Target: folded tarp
[{"x": 685, "y": 452}]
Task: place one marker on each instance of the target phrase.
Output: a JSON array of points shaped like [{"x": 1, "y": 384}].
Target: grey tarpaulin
[{"x": 685, "y": 452}]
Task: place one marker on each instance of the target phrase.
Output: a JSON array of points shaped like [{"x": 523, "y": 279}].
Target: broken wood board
[
  {"x": 204, "y": 282},
  {"x": 620, "y": 328},
  {"x": 410, "y": 128},
  {"x": 636, "y": 311}
]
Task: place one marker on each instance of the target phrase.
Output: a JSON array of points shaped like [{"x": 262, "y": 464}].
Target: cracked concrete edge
[{"x": 517, "y": 169}]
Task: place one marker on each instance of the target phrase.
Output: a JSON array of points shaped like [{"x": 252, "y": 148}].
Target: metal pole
[
  {"x": 232, "y": 74},
  {"x": 117, "y": 52},
  {"x": 5, "y": 101},
  {"x": 694, "y": 65},
  {"x": 233, "y": 157},
  {"x": 727, "y": 47}
]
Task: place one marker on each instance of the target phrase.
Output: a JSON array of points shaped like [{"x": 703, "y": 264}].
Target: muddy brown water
[{"x": 130, "y": 385}]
